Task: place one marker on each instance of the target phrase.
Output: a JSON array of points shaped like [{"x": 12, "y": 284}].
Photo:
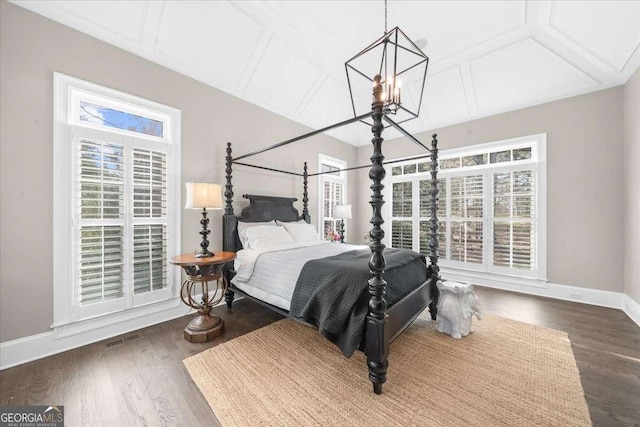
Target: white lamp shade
[
  {"x": 203, "y": 195},
  {"x": 342, "y": 211}
]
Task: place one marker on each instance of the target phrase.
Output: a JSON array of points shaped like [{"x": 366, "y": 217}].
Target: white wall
[{"x": 632, "y": 186}]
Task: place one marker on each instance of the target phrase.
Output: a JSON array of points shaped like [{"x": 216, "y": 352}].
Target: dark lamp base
[{"x": 204, "y": 254}]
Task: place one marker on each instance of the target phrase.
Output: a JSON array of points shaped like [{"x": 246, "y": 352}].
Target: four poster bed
[{"x": 370, "y": 312}]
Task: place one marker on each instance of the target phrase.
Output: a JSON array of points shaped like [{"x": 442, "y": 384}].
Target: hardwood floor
[
  {"x": 142, "y": 381},
  {"x": 605, "y": 342}
]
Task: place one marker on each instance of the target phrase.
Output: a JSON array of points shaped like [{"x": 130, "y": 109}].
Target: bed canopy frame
[{"x": 382, "y": 325}]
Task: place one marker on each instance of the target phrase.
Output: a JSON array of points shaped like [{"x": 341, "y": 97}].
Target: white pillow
[
  {"x": 242, "y": 227},
  {"x": 265, "y": 236},
  {"x": 300, "y": 221},
  {"x": 302, "y": 232}
]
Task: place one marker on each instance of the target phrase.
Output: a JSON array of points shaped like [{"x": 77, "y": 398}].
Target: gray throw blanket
[{"x": 332, "y": 293}]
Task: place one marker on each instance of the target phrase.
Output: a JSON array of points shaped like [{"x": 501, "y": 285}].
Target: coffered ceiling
[{"x": 486, "y": 57}]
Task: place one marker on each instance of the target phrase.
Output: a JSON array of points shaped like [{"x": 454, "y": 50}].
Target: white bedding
[{"x": 271, "y": 274}]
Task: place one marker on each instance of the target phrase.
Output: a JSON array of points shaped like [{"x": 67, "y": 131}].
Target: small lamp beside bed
[
  {"x": 342, "y": 212},
  {"x": 203, "y": 195}
]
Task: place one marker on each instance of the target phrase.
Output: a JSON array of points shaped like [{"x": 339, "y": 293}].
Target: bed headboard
[{"x": 261, "y": 208}]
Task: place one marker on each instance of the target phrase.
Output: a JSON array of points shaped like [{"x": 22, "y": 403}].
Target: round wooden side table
[{"x": 201, "y": 272}]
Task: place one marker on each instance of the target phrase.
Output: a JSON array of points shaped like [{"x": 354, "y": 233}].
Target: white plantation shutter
[
  {"x": 150, "y": 202},
  {"x": 402, "y": 203},
  {"x": 100, "y": 201},
  {"x": 401, "y": 214},
  {"x": 332, "y": 192},
  {"x": 425, "y": 216},
  {"x": 101, "y": 263},
  {"x": 149, "y": 184},
  {"x": 402, "y": 234},
  {"x": 149, "y": 258},
  {"x": 513, "y": 215},
  {"x": 121, "y": 221},
  {"x": 327, "y": 209},
  {"x": 442, "y": 215},
  {"x": 100, "y": 167},
  {"x": 150, "y": 275},
  {"x": 467, "y": 222},
  {"x": 467, "y": 241},
  {"x": 467, "y": 196}
]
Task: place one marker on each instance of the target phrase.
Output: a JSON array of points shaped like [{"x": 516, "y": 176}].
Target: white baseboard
[
  {"x": 550, "y": 290},
  {"x": 597, "y": 297},
  {"x": 632, "y": 308},
  {"x": 27, "y": 349},
  {"x": 34, "y": 347}
]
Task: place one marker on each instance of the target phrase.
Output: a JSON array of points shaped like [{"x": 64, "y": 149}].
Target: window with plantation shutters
[
  {"x": 100, "y": 205},
  {"x": 149, "y": 258},
  {"x": 119, "y": 157},
  {"x": 513, "y": 227},
  {"x": 402, "y": 199},
  {"x": 101, "y": 267},
  {"x": 332, "y": 192},
  {"x": 491, "y": 207},
  {"x": 466, "y": 219},
  {"x": 149, "y": 212},
  {"x": 402, "y": 234}
]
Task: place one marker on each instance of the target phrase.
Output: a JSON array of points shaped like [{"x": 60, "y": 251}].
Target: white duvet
[{"x": 271, "y": 274}]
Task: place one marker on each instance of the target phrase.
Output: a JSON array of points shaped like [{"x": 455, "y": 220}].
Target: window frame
[
  {"x": 127, "y": 104},
  {"x": 537, "y": 162},
  {"x": 342, "y": 179},
  {"x": 69, "y": 316}
]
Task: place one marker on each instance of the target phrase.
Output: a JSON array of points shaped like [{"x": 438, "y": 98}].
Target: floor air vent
[{"x": 122, "y": 340}]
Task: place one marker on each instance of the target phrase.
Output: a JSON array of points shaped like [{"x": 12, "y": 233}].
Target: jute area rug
[{"x": 505, "y": 373}]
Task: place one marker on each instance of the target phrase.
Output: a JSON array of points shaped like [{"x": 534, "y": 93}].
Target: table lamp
[
  {"x": 342, "y": 212},
  {"x": 203, "y": 195}
]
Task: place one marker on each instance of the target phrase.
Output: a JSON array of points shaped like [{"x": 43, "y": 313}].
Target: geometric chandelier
[{"x": 403, "y": 70}]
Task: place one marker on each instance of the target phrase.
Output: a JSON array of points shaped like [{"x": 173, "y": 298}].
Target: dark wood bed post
[
  {"x": 434, "y": 270},
  {"x": 305, "y": 194},
  {"x": 377, "y": 342},
  {"x": 228, "y": 219}
]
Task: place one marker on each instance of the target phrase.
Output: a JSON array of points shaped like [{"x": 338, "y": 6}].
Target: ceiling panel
[
  {"x": 610, "y": 30},
  {"x": 327, "y": 29},
  {"x": 119, "y": 19},
  {"x": 525, "y": 70},
  {"x": 486, "y": 57},
  {"x": 451, "y": 27},
  {"x": 282, "y": 78},
  {"x": 331, "y": 97},
  {"x": 444, "y": 98},
  {"x": 213, "y": 38}
]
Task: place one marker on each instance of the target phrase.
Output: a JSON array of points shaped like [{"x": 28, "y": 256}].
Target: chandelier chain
[{"x": 385, "y": 16}]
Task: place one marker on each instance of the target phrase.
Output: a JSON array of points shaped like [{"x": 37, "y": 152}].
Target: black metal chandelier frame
[{"x": 390, "y": 44}]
